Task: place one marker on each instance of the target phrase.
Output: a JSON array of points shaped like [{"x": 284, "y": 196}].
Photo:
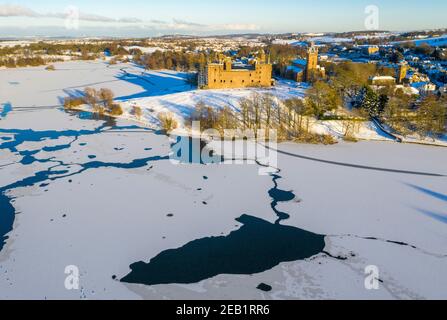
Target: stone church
[{"x": 306, "y": 70}]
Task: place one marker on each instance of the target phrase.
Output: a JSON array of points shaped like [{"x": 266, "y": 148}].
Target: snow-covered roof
[
  {"x": 329, "y": 39},
  {"x": 408, "y": 90},
  {"x": 300, "y": 62},
  {"x": 295, "y": 43},
  {"x": 294, "y": 69},
  {"x": 423, "y": 85},
  {"x": 383, "y": 78}
]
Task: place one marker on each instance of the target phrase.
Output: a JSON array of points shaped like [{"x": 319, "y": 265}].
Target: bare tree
[
  {"x": 91, "y": 96},
  {"x": 137, "y": 112},
  {"x": 245, "y": 111},
  {"x": 106, "y": 96},
  {"x": 257, "y": 109},
  {"x": 226, "y": 120},
  {"x": 168, "y": 122}
]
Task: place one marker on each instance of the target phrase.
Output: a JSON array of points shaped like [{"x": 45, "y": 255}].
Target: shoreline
[{"x": 188, "y": 132}]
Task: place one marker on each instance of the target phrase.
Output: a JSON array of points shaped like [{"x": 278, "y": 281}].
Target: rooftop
[{"x": 301, "y": 62}]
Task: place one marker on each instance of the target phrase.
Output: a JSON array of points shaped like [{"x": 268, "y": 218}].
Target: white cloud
[
  {"x": 158, "y": 21},
  {"x": 239, "y": 27},
  {"x": 92, "y": 20},
  {"x": 184, "y": 23},
  {"x": 130, "y": 20},
  {"x": 9, "y": 10}
]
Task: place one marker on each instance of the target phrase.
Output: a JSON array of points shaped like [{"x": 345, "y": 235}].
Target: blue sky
[{"x": 147, "y": 18}]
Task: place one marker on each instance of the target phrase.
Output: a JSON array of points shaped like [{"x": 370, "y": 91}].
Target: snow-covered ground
[
  {"x": 145, "y": 50},
  {"x": 154, "y": 91},
  {"x": 434, "y": 41},
  {"x": 102, "y": 196}
]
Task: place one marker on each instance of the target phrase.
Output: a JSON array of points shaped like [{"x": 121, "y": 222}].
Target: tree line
[
  {"x": 263, "y": 113},
  {"x": 173, "y": 60},
  {"x": 113, "y": 47},
  {"x": 24, "y": 62},
  {"x": 347, "y": 87},
  {"x": 425, "y": 116},
  {"x": 31, "y": 55}
]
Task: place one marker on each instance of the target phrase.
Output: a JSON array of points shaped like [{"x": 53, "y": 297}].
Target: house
[
  {"x": 424, "y": 87},
  {"x": 383, "y": 81},
  {"x": 408, "y": 90},
  {"x": 416, "y": 77},
  {"x": 372, "y": 50}
]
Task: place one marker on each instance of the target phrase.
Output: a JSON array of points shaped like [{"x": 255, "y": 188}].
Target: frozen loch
[{"x": 101, "y": 197}]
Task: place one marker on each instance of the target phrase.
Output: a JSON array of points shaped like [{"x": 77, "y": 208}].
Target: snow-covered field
[
  {"x": 154, "y": 91},
  {"x": 144, "y": 49},
  {"x": 434, "y": 41},
  {"x": 102, "y": 196}
]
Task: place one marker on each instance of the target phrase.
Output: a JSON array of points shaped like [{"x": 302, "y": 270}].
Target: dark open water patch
[
  {"x": 278, "y": 196},
  {"x": 28, "y": 135},
  {"x": 7, "y": 213},
  {"x": 400, "y": 243},
  {"x": 188, "y": 150},
  {"x": 58, "y": 148},
  {"x": 86, "y": 115},
  {"x": 6, "y": 108},
  {"x": 264, "y": 287},
  {"x": 28, "y": 157},
  {"x": 134, "y": 164},
  {"x": 256, "y": 247}
]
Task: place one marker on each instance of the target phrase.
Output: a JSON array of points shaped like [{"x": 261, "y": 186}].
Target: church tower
[
  {"x": 402, "y": 72},
  {"x": 262, "y": 57},
  {"x": 312, "y": 62}
]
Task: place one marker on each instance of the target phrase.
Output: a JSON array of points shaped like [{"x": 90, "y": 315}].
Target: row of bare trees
[
  {"x": 290, "y": 118},
  {"x": 19, "y": 62},
  {"x": 101, "y": 101}
]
